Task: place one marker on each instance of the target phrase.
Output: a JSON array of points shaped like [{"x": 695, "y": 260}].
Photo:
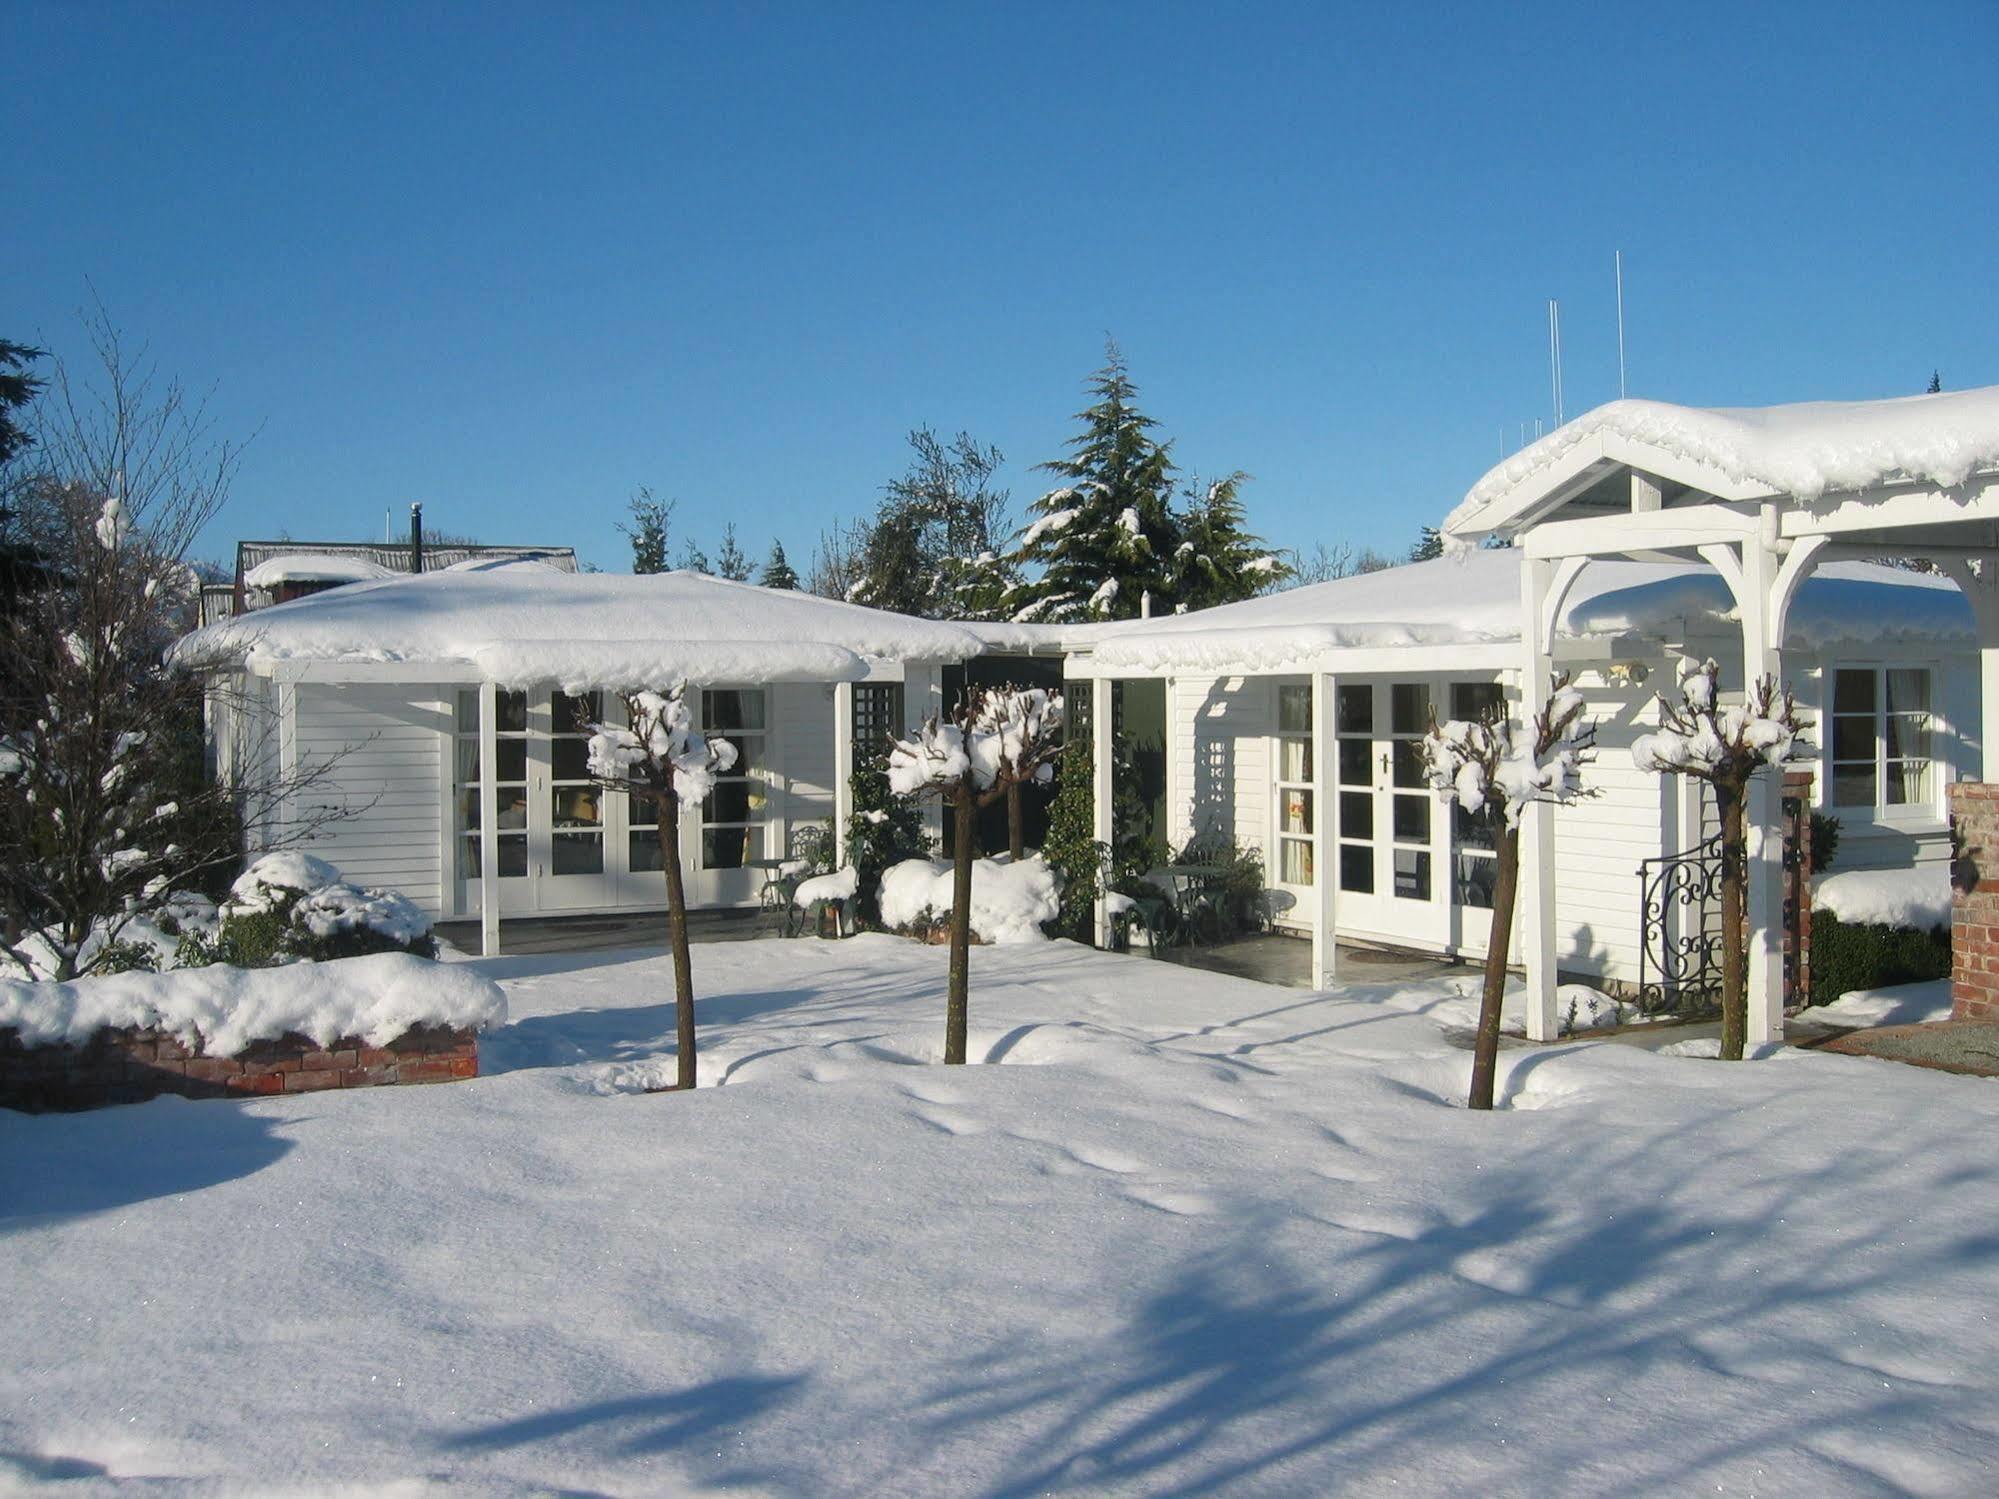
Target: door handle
[{"x": 1384, "y": 762}]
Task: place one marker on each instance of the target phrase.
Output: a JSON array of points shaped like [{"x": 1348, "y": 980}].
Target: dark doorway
[{"x": 1005, "y": 671}]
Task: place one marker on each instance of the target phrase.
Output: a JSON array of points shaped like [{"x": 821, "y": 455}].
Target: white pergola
[{"x": 1763, "y": 496}]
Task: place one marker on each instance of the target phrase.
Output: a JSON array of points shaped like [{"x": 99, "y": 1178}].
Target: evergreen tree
[
  {"x": 1936, "y": 382},
  {"x": 777, "y": 571},
  {"x": 883, "y": 830},
  {"x": 692, "y": 559},
  {"x": 730, "y": 562},
  {"x": 933, "y": 548},
  {"x": 1219, "y": 561},
  {"x": 1429, "y": 546},
  {"x": 1108, "y": 535},
  {"x": 18, "y": 390},
  {"x": 651, "y": 520}
]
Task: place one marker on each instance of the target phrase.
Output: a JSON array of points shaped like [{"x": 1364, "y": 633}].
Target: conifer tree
[
  {"x": 1107, "y": 535},
  {"x": 652, "y": 519},
  {"x": 692, "y": 559},
  {"x": 18, "y": 389},
  {"x": 1429, "y": 546},
  {"x": 730, "y": 562},
  {"x": 777, "y": 571},
  {"x": 1936, "y": 383},
  {"x": 1219, "y": 561},
  {"x": 933, "y": 547}
]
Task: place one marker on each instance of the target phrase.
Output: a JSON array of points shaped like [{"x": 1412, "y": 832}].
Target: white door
[
  {"x": 1387, "y": 821},
  {"x": 572, "y": 843},
  {"x": 731, "y": 831},
  {"x": 1472, "y": 859},
  {"x": 512, "y": 789},
  {"x": 1297, "y": 805}
]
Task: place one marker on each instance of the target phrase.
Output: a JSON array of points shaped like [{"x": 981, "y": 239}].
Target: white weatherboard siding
[
  {"x": 1630, "y": 815},
  {"x": 1220, "y": 759},
  {"x": 388, "y": 746},
  {"x": 803, "y": 719}
]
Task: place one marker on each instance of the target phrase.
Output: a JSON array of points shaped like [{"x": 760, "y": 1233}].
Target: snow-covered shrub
[
  {"x": 292, "y": 907},
  {"x": 1010, "y": 901},
  {"x": 1875, "y": 927},
  {"x": 884, "y": 830}
]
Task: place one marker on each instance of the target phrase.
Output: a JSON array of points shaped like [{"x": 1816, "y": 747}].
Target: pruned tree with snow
[
  {"x": 1219, "y": 560},
  {"x": 1494, "y": 768},
  {"x": 105, "y": 809},
  {"x": 1106, "y": 535},
  {"x": 1727, "y": 747},
  {"x": 658, "y": 756},
  {"x": 998, "y": 737}
]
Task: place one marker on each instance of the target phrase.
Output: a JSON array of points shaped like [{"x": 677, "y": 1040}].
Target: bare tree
[
  {"x": 998, "y": 737},
  {"x": 104, "y": 807},
  {"x": 1726, "y": 747},
  {"x": 660, "y": 758},
  {"x": 1495, "y": 769}
]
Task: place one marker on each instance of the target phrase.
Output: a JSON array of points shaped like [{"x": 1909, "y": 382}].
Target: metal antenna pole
[{"x": 1620, "y": 325}]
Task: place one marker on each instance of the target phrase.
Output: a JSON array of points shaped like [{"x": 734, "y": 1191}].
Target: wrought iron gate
[{"x": 1679, "y": 956}]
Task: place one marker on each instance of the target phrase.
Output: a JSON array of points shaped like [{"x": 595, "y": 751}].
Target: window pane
[
  {"x": 1409, "y": 767},
  {"x": 749, "y": 752},
  {"x": 1853, "y": 692},
  {"x": 728, "y": 802},
  {"x": 1908, "y": 690},
  {"x": 468, "y": 809},
  {"x": 513, "y": 856},
  {"x": 569, "y": 759},
  {"x": 1354, "y": 709},
  {"x": 468, "y": 858},
  {"x": 1356, "y": 814},
  {"x": 575, "y": 715},
  {"x": 1909, "y": 784},
  {"x": 511, "y": 756},
  {"x": 1409, "y": 708},
  {"x": 1853, "y": 786},
  {"x": 1294, "y": 861},
  {"x": 644, "y": 852},
  {"x": 1357, "y": 868},
  {"x": 1412, "y": 875},
  {"x": 730, "y": 848},
  {"x": 1474, "y": 880},
  {"x": 1471, "y": 700},
  {"x": 513, "y": 808},
  {"x": 1909, "y": 736},
  {"x": 1356, "y": 762},
  {"x": 1412, "y": 819},
  {"x": 468, "y": 761},
  {"x": 468, "y": 710},
  {"x": 641, "y": 812},
  {"x": 732, "y": 709},
  {"x": 512, "y": 712},
  {"x": 1294, "y": 759},
  {"x": 1296, "y": 813},
  {"x": 1294, "y": 710},
  {"x": 1853, "y": 738},
  {"x": 578, "y": 853},
  {"x": 1470, "y": 831},
  {"x": 575, "y": 806}
]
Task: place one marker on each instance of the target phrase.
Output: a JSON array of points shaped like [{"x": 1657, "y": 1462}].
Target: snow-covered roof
[
  {"x": 1475, "y": 598},
  {"x": 1805, "y": 450},
  {"x": 526, "y": 625},
  {"x": 296, "y": 567}
]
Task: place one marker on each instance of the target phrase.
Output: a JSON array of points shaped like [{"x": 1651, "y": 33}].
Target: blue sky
[{"x": 515, "y": 261}]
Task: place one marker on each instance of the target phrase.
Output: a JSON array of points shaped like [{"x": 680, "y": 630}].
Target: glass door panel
[{"x": 510, "y": 790}]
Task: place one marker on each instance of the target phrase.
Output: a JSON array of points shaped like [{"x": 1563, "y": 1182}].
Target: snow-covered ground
[{"x": 1193, "y": 1235}]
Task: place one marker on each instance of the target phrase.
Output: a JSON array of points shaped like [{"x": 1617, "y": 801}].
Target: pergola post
[
  {"x": 843, "y": 768},
  {"x": 1325, "y": 931},
  {"x": 1537, "y": 822},
  {"x": 1101, "y": 726},
  {"x": 489, "y": 820}
]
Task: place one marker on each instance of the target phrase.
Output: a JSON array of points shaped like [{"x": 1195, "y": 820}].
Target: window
[
  {"x": 1474, "y": 859},
  {"x": 1879, "y": 739},
  {"x": 575, "y": 805},
  {"x": 732, "y": 815},
  {"x": 1295, "y": 789},
  {"x": 1353, "y": 724},
  {"x": 510, "y": 784}
]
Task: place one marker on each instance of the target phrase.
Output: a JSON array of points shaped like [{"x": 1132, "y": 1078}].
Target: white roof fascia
[{"x": 1889, "y": 506}]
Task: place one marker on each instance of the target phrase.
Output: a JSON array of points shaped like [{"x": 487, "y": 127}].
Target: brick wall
[
  {"x": 130, "y": 1065},
  {"x": 1974, "y": 900}
]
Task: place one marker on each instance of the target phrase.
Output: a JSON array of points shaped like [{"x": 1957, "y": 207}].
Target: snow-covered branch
[
  {"x": 999, "y": 737},
  {"x": 661, "y": 753},
  {"x": 1493, "y": 764},
  {"x": 1700, "y": 737}
]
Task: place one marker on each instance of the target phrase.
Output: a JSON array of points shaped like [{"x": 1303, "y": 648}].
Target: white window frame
[
  {"x": 758, "y": 775},
  {"x": 1281, "y": 787},
  {"x": 1925, "y": 815}
]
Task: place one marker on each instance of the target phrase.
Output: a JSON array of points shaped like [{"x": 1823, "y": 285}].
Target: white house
[
  {"x": 450, "y": 708},
  {"x": 1293, "y": 724}
]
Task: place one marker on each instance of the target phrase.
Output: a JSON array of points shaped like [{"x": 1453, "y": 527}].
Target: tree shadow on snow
[{"x": 58, "y": 1166}]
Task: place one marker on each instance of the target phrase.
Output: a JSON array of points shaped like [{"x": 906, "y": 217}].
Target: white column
[
  {"x": 1762, "y": 656},
  {"x": 1325, "y": 849},
  {"x": 489, "y": 820},
  {"x": 1537, "y": 823},
  {"x": 1100, "y": 785},
  {"x": 843, "y": 768}
]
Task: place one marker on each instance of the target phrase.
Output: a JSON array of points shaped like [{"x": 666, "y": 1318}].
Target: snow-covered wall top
[
  {"x": 1475, "y": 597},
  {"x": 522, "y": 625},
  {"x": 1806, "y": 450},
  {"x": 376, "y": 998}
]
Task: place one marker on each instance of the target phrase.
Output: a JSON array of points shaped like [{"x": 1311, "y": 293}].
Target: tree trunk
[
  {"x": 1505, "y": 893},
  {"x": 1734, "y": 954},
  {"x": 1016, "y": 824},
  {"x": 965, "y": 837},
  {"x": 676, "y": 933}
]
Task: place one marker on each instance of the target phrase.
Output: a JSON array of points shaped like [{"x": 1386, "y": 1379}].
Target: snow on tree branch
[
  {"x": 661, "y": 753},
  {"x": 1492, "y": 764},
  {"x": 1699, "y": 737},
  {"x": 997, "y": 738}
]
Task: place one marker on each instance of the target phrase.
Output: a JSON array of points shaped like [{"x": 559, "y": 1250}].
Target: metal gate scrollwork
[{"x": 1679, "y": 958}]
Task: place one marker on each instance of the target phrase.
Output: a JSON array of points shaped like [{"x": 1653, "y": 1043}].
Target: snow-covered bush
[
  {"x": 291, "y": 907},
  {"x": 884, "y": 830},
  {"x": 1010, "y": 901}
]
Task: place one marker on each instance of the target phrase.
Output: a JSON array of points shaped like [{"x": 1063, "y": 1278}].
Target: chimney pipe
[{"x": 416, "y": 538}]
